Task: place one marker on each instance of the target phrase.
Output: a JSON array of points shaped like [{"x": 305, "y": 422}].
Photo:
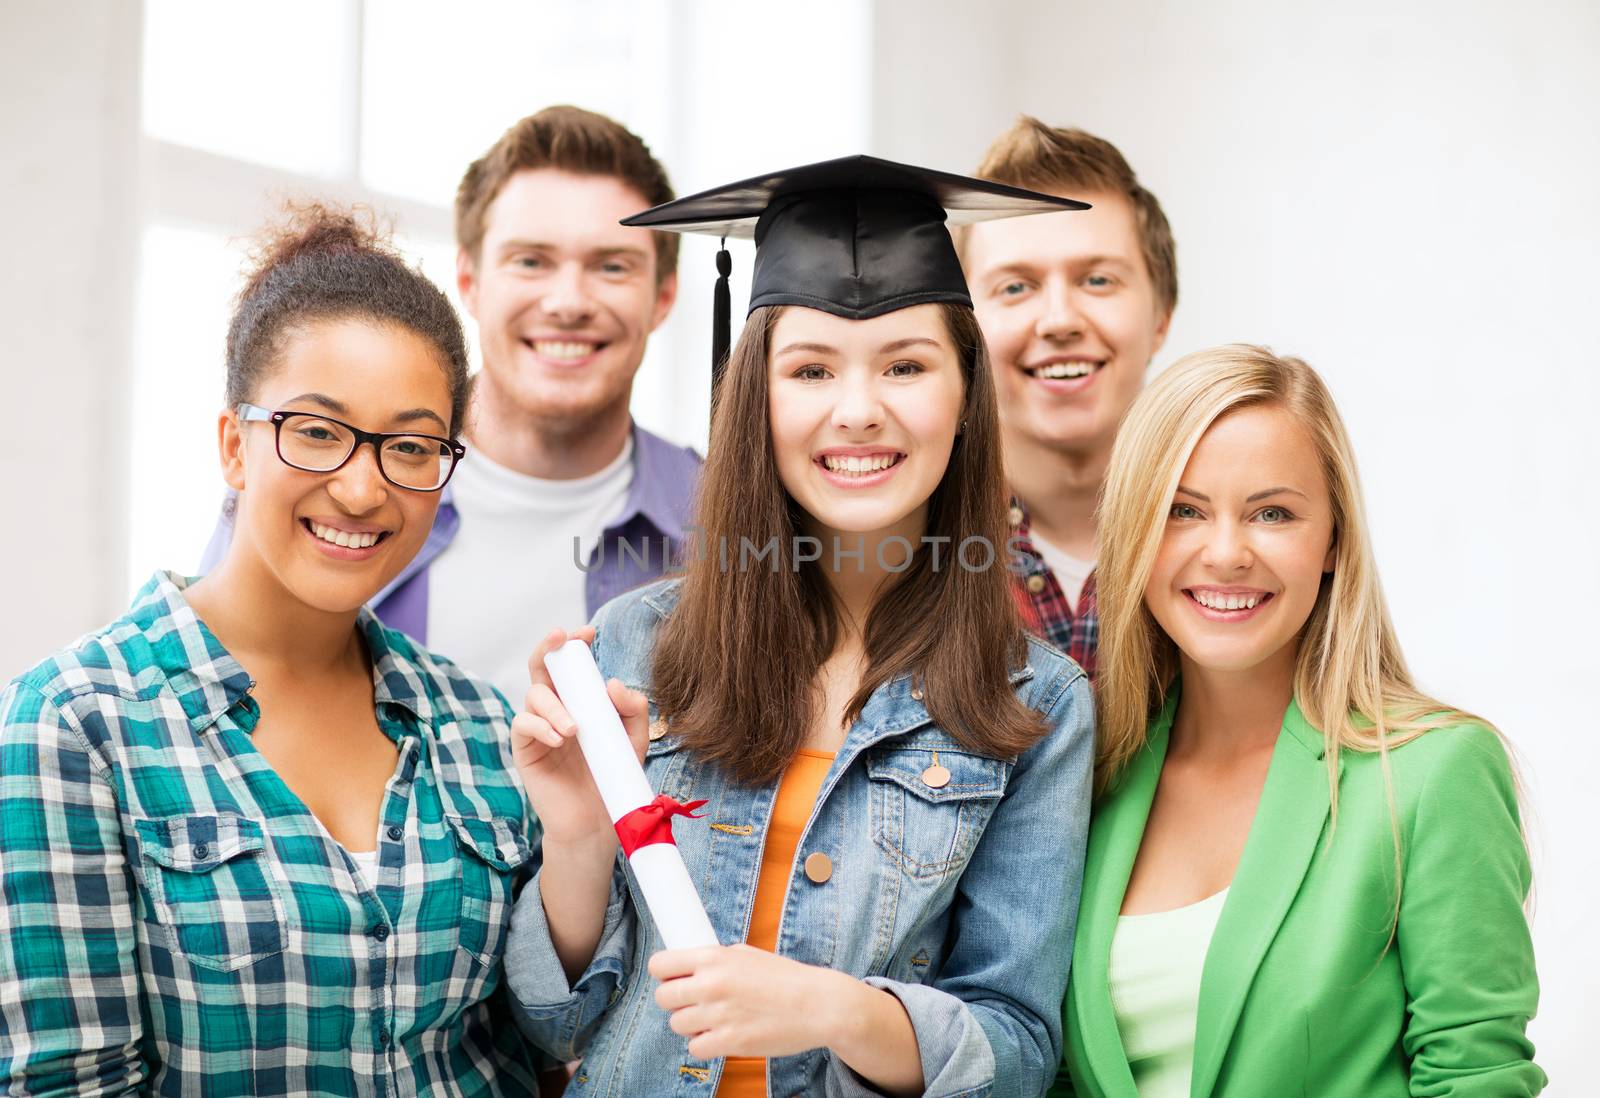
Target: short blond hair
[{"x": 1063, "y": 161}]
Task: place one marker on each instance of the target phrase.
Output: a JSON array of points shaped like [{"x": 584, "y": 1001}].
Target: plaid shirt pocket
[
  {"x": 494, "y": 851},
  {"x": 210, "y": 889}
]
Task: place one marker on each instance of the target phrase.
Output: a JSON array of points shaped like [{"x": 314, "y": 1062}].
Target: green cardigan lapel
[
  {"x": 1283, "y": 837},
  {"x": 1114, "y": 842}
]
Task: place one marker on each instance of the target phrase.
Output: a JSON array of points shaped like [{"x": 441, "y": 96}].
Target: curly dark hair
[{"x": 324, "y": 262}]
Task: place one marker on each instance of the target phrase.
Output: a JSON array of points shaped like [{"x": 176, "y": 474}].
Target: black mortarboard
[{"x": 856, "y": 237}]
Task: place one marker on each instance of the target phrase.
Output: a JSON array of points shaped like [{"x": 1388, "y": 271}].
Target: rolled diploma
[{"x": 668, "y": 892}]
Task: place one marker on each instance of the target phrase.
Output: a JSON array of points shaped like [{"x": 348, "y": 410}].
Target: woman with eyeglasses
[{"x": 251, "y": 841}]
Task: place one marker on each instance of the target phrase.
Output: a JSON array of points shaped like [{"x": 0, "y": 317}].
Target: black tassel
[{"x": 720, "y": 322}]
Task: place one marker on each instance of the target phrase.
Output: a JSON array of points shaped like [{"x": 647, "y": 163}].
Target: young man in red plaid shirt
[{"x": 1073, "y": 306}]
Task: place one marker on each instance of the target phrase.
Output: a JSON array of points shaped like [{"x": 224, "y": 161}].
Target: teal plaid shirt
[{"x": 173, "y": 920}]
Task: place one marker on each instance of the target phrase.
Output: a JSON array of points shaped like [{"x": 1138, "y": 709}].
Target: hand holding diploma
[
  {"x": 642, "y": 820},
  {"x": 545, "y": 751},
  {"x": 579, "y": 755},
  {"x": 587, "y": 785}
]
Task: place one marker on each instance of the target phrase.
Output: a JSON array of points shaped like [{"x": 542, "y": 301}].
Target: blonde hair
[{"x": 1351, "y": 679}]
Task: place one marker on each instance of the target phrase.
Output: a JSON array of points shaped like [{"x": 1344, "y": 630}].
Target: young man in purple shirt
[{"x": 562, "y": 501}]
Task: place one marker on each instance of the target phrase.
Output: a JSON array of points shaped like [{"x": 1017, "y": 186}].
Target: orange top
[{"x": 745, "y": 1076}]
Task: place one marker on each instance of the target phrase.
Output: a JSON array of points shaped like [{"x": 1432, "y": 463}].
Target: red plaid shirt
[{"x": 1045, "y": 609}]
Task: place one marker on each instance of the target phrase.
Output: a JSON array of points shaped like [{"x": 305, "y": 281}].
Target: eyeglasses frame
[{"x": 254, "y": 413}]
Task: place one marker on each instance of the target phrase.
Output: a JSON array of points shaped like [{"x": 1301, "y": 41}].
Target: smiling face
[
  {"x": 1248, "y": 538},
  {"x": 864, "y": 415},
  {"x": 333, "y": 540},
  {"x": 565, "y": 298},
  {"x": 1071, "y": 317}
]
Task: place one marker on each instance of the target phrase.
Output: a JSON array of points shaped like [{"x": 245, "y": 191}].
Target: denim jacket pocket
[
  {"x": 931, "y": 804},
  {"x": 493, "y": 850},
  {"x": 211, "y": 889}
]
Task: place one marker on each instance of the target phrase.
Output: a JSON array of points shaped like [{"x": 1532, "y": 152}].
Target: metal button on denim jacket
[{"x": 951, "y": 881}]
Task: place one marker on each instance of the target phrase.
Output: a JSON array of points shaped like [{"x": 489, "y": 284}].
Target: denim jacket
[{"x": 959, "y": 900}]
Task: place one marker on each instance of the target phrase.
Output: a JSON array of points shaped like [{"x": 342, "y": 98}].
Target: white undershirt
[
  {"x": 366, "y": 865},
  {"x": 1071, "y": 572},
  {"x": 1156, "y": 964},
  {"x": 509, "y": 577}
]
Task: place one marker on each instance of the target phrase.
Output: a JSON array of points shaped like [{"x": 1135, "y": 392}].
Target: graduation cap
[{"x": 856, "y": 237}]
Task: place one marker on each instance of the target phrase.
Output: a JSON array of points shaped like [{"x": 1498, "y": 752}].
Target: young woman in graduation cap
[{"x": 896, "y": 779}]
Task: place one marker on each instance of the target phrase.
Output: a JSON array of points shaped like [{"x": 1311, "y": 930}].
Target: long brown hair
[{"x": 736, "y": 663}]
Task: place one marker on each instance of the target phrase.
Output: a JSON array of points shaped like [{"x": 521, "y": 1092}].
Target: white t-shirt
[
  {"x": 366, "y": 865},
  {"x": 1071, "y": 572},
  {"x": 511, "y": 574}
]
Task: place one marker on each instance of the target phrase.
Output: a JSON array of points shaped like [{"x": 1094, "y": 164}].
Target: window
[{"x": 264, "y": 83}]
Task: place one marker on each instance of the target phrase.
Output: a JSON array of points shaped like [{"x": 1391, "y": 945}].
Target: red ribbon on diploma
[{"x": 652, "y": 823}]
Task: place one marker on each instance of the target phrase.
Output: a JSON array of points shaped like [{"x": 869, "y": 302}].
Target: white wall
[
  {"x": 68, "y": 192},
  {"x": 944, "y": 80},
  {"x": 1404, "y": 195},
  {"x": 724, "y": 130}
]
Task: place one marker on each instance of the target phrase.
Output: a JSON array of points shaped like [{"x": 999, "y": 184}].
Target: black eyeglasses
[{"x": 315, "y": 443}]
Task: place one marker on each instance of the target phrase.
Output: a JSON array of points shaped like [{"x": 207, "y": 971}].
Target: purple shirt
[{"x": 643, "y": 544}]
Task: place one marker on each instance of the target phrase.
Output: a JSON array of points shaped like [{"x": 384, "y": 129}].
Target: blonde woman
[{"x": 1304, "y": 875}]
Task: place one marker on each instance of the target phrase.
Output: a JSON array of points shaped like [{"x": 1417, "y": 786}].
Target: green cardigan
[{"x": 1302, "y": 990}]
